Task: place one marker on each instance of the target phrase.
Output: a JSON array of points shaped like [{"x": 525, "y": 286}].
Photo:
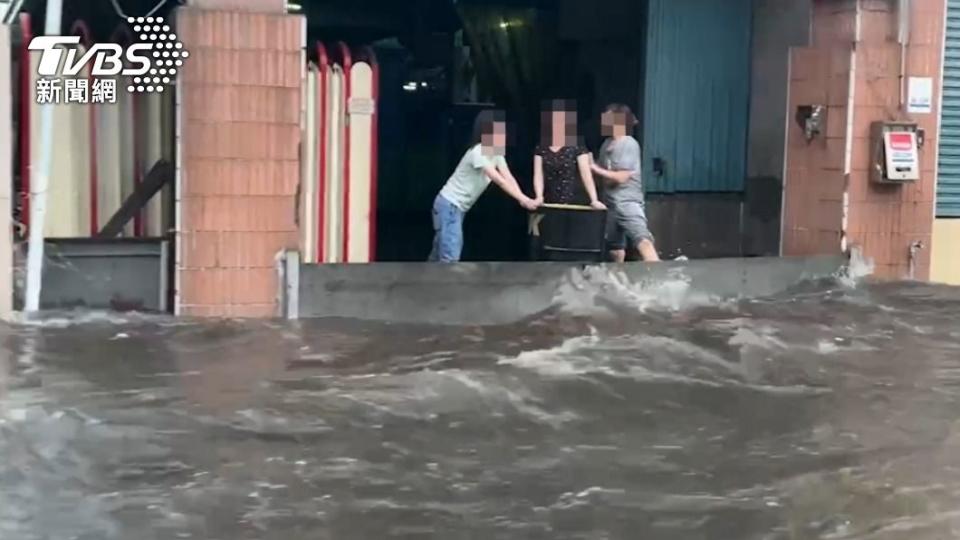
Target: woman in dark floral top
[{"x": 561, "y": 165}]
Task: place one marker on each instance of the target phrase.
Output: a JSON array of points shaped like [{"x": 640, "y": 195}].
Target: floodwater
[{"x": 831, "y": 412}]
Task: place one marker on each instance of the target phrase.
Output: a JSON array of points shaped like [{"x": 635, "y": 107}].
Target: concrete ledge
[
  {"x": 500, "y": 293},
  {"x": 110, "y": 274}
]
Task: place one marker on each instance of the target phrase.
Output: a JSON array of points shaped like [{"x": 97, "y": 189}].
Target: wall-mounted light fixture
[{"x": 811, "y": 119}]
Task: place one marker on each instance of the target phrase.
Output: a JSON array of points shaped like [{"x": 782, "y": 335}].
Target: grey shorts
[{"x": 627, "y": 221}]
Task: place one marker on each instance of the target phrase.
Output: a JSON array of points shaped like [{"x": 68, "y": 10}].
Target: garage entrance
[{"x": 683, "y": 66}]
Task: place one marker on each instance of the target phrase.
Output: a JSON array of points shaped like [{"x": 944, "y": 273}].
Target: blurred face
[
  {"x": 607, "y": 122},
  {"x": 562, "y": 119},
  {"x": 496, "y": 138},
  {"x": 558, "y": 120},
  {"x": 616, "y": 123}
]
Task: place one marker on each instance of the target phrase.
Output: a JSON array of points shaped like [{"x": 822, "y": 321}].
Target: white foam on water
[
  {"x": 567, "y": 359},
  {"x": 587, "y": 497},
  {"x": 827, "y": 347},
  {"x": 518, "y": 398},
  {"x": 591, "y": 354},
  {"x": 645, "y": 358},
  {"x": 748, "y": 334},
  {"x": 428, "y": 393},
  {"x": 858, "y": 268},
  {"x": 586, "y": 291},
  {"x": 81, "y": 318}
]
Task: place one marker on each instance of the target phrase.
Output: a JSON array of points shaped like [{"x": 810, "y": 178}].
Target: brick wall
[
  {"x": 885, "y": 220},
  {"x": 830, "y": 201},
  {"x": 239, "y": 116},
  {"x": 815, "y": 179}
]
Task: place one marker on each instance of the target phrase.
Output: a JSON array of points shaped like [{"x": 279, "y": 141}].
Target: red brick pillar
[
  {"x": 853, "y": 67},
  {"x": 239, "y": 130},
  {"x": 815, "y": 180}
]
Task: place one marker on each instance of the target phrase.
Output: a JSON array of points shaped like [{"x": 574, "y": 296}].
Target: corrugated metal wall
[
  {"x": 948, "y": 179},
  {"x": 697, "y": 94}
]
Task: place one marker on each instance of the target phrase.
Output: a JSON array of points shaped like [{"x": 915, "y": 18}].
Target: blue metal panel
[
  {"x": 697, "y": 94},
  {"x": 948, "y": 178}
]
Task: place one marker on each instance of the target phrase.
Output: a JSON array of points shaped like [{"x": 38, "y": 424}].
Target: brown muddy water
[{"x": 830, "y": 412}]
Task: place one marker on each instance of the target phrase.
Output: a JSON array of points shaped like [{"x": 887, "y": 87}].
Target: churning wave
[
  {"x": 596, "y": 289},
  {"x": 649, "y": 359},
  {"x": 633, "y": 410}
]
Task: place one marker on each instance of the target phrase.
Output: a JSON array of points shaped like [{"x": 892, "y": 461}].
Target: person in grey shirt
[
  {"x": 482, "y": 164},
  {"x": 620, "y": 166}
]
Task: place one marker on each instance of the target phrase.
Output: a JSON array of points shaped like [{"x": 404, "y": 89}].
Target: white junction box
[
  {"x": 903, "y": 159},
  {"x": 896, "y": 156}
]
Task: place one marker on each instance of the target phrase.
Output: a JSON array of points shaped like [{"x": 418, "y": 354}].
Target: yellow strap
[{"x": 570, "y": 207}]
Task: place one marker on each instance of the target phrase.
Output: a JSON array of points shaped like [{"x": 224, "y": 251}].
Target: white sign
[
  {"x": 903, "y": 162},
  {"x": 361, "y": 106},
  {"x": 920, "y": 94}
]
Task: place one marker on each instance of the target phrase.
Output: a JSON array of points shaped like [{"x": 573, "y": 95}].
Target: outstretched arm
[
  {"x": 617, "y": 177},
  {"x": 504, "y": 171},
  {"x": 538, "y": 178},
  {"x": 509, "y": 184},
  {"x": 626, "y": 162},
  {"x": 586, "y": 175}
]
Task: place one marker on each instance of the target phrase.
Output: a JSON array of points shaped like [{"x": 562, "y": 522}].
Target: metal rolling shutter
[
  {"x": 697, "y": 94},
  {"x": 948, "y": 179}
]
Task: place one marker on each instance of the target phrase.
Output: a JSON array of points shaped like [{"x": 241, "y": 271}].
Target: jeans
[{"x": 448, "y": 231}]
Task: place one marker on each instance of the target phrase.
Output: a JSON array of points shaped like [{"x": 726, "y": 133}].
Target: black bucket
[{"x": 567, "y": 233}]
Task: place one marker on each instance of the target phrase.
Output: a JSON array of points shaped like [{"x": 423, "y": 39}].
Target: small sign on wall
[
  {"x": 361, "y": 106},
  {"x": 920, "y": 92}
]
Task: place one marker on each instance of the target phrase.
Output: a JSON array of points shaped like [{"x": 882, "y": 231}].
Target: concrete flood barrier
[
  {"x": 500, "y": 293},
  {"x": 103, "y": 274}
]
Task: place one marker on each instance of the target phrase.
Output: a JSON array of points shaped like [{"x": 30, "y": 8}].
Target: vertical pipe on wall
[
  {"x": 786, "y": 153},
  {"x": 848, "y": 135},
  {"x": 23, "y": 196},
  {"x": 38, "y": 191},
  {"x": 903, "y": 38}
]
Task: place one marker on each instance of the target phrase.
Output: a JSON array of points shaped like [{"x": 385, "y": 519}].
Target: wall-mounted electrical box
[{"x": 896, "y": 152}]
